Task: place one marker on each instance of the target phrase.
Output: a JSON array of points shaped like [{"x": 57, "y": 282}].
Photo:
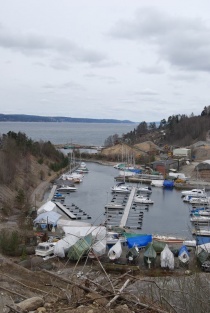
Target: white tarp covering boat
[
  {"x": 98, "y": 249},
  {"x": 62, "y": 246},
  {"x": 167, "y": 258},
  {"x": 115, "y": 251},
  {"x": 99, "y": 234},
  {"x": 205, "y": 247}
]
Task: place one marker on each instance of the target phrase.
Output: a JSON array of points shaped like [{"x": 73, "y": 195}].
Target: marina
[{"x": 169, "y": 215}]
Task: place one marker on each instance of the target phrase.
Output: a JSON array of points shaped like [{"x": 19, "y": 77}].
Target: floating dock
[{"x": 127, "y": 208}]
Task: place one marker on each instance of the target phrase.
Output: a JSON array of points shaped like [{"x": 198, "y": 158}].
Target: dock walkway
[
  {"x": 66, "y": 211},
  {"x": 127, "y": 208},
  {"x": 52, "y": 192}
]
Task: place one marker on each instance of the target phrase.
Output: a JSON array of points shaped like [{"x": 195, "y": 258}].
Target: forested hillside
[
  {"x": 23, "y": 164},
  {"x": 181, "y": 130}
]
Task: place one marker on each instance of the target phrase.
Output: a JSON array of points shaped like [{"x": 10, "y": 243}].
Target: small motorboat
[
  {"x": 199, "y": 200},
  {"x": 194, "y": 193},
  {"x": 66, "y": 189},
  {"x": 121, "y": 188},
  {"x": 113, "y": 237},
  {"x": 142, "y": 199},
  {"x": 147, "y": 190}
]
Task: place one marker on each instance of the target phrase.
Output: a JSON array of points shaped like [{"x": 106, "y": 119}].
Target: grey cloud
[
  {"x": 151, "y": 70},
  {"x": 183, "y": 77},
  {"x": 30, "y": 43},
  {"x": 183, "y": 42}
]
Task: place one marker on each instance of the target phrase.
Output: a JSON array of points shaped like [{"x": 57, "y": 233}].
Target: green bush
[{"x": 9, "y": 242}]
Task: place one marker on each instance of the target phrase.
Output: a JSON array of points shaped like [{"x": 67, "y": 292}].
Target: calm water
[
  {"x": 62, "y": 133},
  {"x": 168, "y": 214}
]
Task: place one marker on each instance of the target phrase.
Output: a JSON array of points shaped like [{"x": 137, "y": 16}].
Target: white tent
[
  {"x": 167, "y": 258},
  {"x": 47, "y": 207},
  {"x": 98, "y": 232},
  {"x": 47, "y": 218}
]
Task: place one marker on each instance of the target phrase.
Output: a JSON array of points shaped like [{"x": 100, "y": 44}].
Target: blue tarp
[
  {"x": 200, "y": 240},
  {"x": 139, "y": 241},
  {"x": 168, "y": 184},
  {"x": 183, "y": 249},
  {"x": 134, "y": 170}
]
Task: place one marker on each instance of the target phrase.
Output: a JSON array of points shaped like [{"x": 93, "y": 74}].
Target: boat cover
[
  {"x": 48, "y": 218},
  {"x": 167, "y": 258},
  {"x": 99, "y": 248},
  {"x": 47, "y": 207},
  {"x": 62, "y": 246},
  {"x": 115, "y": 251},
  {"x": 80, "y": 248},
  {"x": 203, "y": 256},
  {"x": 205, "y": 247},
  {"x": 183, "y": 254},
  {"x": 150, "y": 251},
  {"x": 158, "y": 246},
  {"x": 150, "y": 255},
  {"x": 168, "y": 184},
  {"x": 139, "y": 241}
]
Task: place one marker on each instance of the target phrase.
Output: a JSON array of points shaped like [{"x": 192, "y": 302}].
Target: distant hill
[{"x": 36, "y": 118}]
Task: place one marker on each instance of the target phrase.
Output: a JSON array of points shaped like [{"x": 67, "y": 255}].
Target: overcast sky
[{"x": 141, "y": 60}]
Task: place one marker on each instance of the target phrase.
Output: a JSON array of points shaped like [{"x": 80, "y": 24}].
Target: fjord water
[
  {"x": 61, "y": 133},
  {"x": 168, "y": 215}
]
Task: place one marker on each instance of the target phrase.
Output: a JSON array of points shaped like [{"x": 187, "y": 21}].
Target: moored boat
[
  {"x": 194, "y": 193},
  {"x": 168, "y": 239},
  {"x": 121, "y": 188},
  {"x": 142, "y": 199},
  {"x": 157, "y": 182},
  {"x": 66, "y": 188},
  {"x": 144, "y": 190}
]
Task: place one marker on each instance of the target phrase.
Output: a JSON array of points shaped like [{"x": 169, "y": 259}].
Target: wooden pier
[{"x": 127, "y": 208}]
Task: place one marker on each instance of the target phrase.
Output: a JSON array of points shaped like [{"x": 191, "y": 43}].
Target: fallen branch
[
  {"x": 13, "y": 292},
  {"x": 29, "y": 287},
  {"x": 120, "y": 291},
  {"x": 12, "y": 309}
]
